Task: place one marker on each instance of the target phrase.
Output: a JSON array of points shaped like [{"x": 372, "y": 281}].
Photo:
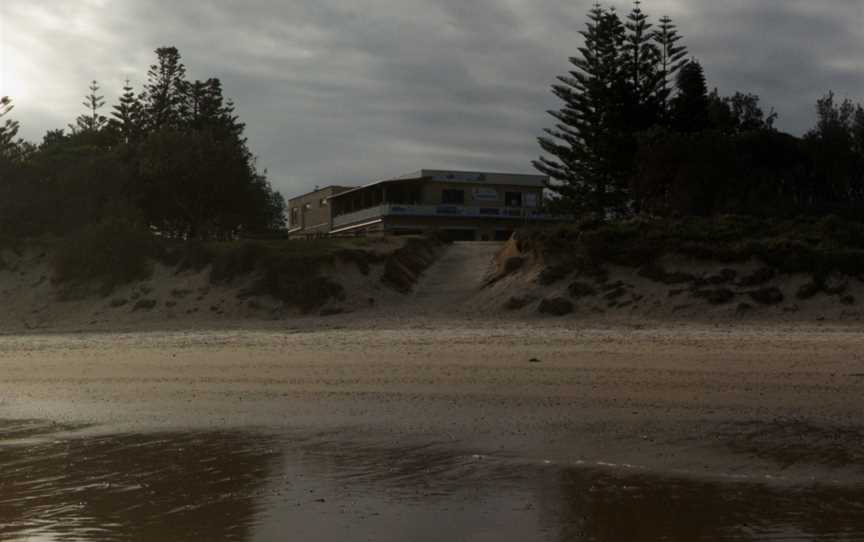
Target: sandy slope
[{"x": 456, "y": 286}]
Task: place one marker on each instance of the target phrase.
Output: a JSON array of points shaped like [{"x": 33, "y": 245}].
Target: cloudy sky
[{"x": 346, "y": 91}]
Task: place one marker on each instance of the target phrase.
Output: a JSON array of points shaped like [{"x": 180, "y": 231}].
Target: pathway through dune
[{"x": 455, "y": 278}]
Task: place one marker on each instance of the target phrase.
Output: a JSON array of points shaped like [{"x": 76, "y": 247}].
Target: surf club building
[{"x": 461, "y": 205}]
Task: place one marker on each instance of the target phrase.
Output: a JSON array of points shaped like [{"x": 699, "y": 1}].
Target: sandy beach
[
  {"x": 683, "y": 398},
  {"x": 747, "y": 409}
]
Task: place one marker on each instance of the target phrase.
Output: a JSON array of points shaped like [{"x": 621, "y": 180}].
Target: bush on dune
[
  {"x": 108, "y": 254},
  {"x": 801, "y": 245}
]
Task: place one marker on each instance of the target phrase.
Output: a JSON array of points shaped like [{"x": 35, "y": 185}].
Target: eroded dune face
[{"x": 357, "y": 281}]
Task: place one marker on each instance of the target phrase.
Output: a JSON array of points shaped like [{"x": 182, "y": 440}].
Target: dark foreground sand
[{"x": 766, "y": 407}]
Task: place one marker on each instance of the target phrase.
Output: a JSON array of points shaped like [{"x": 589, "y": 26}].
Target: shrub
[
  {"x": 554, "y": 273},
  {"x": 513, "y": 264},
  {"x": 717, "y": 296},
  {"x": 767, "y": 296},
  {"x": 800, "y": 245},
  {"x": 757, "y": 277},
  {"x": 556, "y": 307},
  {"x": 808, "y": 291},
  {"x": 110, "y": 253},
  {"x": 578, "y": 290},
  {"x": 657, "y": 273},
  {"x": 145, "y": 305},
  {"x": 517, "y": 303}
]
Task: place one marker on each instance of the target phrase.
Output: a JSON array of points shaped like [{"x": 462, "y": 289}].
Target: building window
[
  {"x": 453, "y": 197},
  {"x": 323, "y": 202},
  {"x": 513, "y": 199},
  {"x": 295, "y": 216}
]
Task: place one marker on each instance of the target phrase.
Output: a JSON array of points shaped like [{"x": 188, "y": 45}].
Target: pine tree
[
  {"x": 91, "y": 121},
  {"x": 164, "y": 96},
  {"x": 644, "y": 78},
  {"x": 690, "y": 106},
  {"x": 127, "y": 115},
  {"x": 9, "y": 129},
  {"x": 672, "y": 56},
  {"x": 208, "y": 109},
  {"x": 585, "y": 144}
]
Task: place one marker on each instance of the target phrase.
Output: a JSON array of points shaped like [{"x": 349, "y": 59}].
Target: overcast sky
[{"x": 348, "y": 91}]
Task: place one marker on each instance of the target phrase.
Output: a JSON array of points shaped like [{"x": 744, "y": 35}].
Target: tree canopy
[
  {"x": 640, "y": 133},
  {"x": 171, "y": 158}
]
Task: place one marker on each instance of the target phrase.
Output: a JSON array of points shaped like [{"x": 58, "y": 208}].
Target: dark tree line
[
  {"x": 171, "y": 158},
  {"x": 640, "y": 133}
]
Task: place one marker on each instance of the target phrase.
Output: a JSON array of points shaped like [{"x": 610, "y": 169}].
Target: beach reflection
[{"x": 249, "y": 486}]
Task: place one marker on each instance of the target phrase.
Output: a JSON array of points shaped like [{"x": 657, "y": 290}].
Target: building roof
[
  {"x": 467, "y": 177},
  {"x": 333, "y": 187}
]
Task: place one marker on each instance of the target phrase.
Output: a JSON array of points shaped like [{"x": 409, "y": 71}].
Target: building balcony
[{"x": 452, "y": 211}]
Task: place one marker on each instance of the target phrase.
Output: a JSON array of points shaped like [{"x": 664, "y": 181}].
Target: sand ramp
[{"x": 455, "y": 278}]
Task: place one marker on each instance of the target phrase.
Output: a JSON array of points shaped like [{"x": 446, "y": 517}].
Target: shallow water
[{"x": 57, "y": 484}]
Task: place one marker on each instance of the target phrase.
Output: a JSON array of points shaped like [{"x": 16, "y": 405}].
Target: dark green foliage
[
  {"x": 725, "y": 276},
  {"x": 767, "y": 296},
  {"x": 108, "y": 254},
  {"x": 716, "y": 296},
  {"x": 144, "y": 305},
  {"x": 690, "y": 107},
  {"x": 517, "y": 303},
  {"x": 757, "y": 277},
  {"x": 290, "y": 271},
  {"x": 554, "y": 273},
  {"x": 8, "y": 129},
  {"x": 174, "y": 159},
  {"x": 513, "y": 264},
  {"x": 672, "y": 56},
  {"x": 762, "y": 173},
  {"x": 164, "y": 97},
  {"x": 615, "y": 293},
  {"x": 804, "y": 245},
  {"x": 619, "y": 87},
  {"x": 744, "y": 308},
  {"x": 588, "y": 147},
  {"x": 808, "y": 290},
  {"x": 644, "y": 71},
  {"x": 739, "y": 113},
  {"x": 92, "y": 121},
  {"x": 578, "y": 290},
  {"x": 657, "y": 273},
  {"x": 624, "y": 144},
  {"x": 556, "y": 307},
  {"x": 128, "y": 116},
  {"x": 361, "y": 258}
]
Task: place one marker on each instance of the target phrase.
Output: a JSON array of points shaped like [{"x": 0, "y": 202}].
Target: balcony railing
[{"x": 463, "y": 211}]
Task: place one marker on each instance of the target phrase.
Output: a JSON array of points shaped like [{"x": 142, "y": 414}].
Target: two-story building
[
  {"x": 310, "y": 214},
  {"x": 462, "y": 205}
]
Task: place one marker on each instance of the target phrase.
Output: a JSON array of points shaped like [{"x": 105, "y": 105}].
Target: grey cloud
[{"x": 334, "y": 91}]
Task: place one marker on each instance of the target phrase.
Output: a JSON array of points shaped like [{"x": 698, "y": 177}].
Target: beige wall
[{"x": 311, "y": 212}]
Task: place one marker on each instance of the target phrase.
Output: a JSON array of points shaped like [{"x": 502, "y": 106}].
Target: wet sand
[{"x": 512, "y": 431}]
